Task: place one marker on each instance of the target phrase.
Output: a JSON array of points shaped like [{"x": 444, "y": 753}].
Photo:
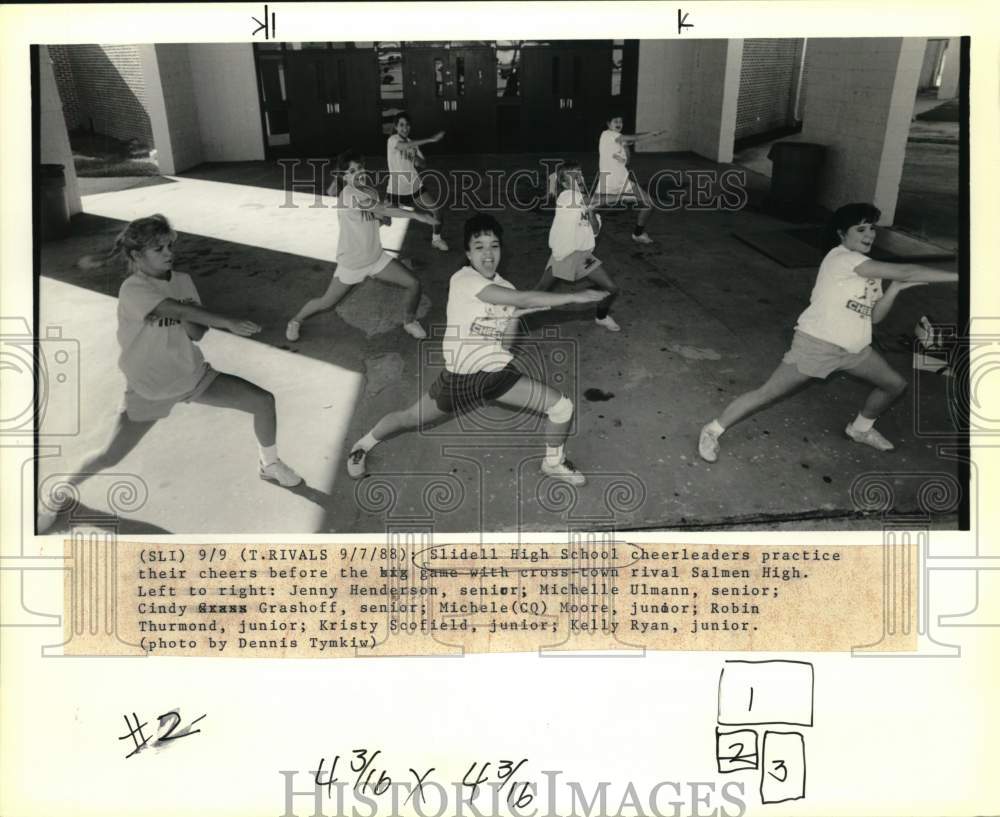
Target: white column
[
  {"x": 53, "y": 137},
  {"x": 715, "y": 89},
  {"x": 897, "y": 128},
  {"x": 859, "y": 104},
  {"x": 157, "y": 108},
  {"x": 949, "y": 73}
]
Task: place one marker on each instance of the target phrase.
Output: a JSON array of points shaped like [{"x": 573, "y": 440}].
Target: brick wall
[
  {"x": 768, "y": 77},
  {"x": 53, "y": 139},
  {"x": 62, "y": 66},
  {"x": 102, "y": 88}
]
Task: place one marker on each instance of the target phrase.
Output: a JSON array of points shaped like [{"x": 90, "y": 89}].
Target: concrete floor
[{"x": 704, "y": 318}]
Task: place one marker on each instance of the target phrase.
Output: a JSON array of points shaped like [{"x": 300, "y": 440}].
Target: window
[
  {"x": 390, "y": 65},
  {"x": 274, "y": 96},
  {"x": 508, "y": 81},
  {"x": 617, "y": 58},
  {"x": 438, "y": 78}
]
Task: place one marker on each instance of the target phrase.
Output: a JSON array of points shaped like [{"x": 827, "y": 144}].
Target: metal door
[
  {"x": 333, "y": 102},
  {"x": 567, "y": 90},
  {"x": 453, "y": 90}
]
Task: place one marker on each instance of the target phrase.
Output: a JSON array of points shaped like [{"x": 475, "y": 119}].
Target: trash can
[
  {"x": 53, "y": 210},
  {"x": 796, "y": 173}
]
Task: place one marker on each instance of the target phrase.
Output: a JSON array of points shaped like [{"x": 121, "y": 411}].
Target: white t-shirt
[
  {"x": 840, "y": 307},
  {"x": 359, "y": 243},
  {"x": 473, "y": 342},
  {"x": 571, "y": 230},
  {"x": 612, "y": 159},
  {"x": 157, "y": 356},
  {"x": 404, "y": 180}
]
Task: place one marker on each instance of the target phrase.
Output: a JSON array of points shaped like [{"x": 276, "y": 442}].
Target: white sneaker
[
  {"x": 439, "y": 243},
  {"x": 642, "y": 239},
  {"x": 278, "y": 472},
  {"x": 356, "y": 463},
  {"x": 292, "y": 330},
  {"x": 564, "y": 471},
  {"x": 608, "y": 323},
  {"x": 870, "y": 437},
  {"x": 414, "y": 329},
  {"x": 708, "y": 444}
]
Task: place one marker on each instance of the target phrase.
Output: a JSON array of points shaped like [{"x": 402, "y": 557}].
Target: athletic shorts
[
  {"x": 349, "y": 276},
  {"x": 578, "y": 264},
  {"x": 818, "y": 358},
  {"x": 618, "y": 193},
  {"x": 145, "y": 410},
  {"x": 403, "y": 200},
  {"x": 460, "y": 393}
]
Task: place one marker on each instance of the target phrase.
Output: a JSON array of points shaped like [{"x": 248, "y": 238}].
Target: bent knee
[
  {"x": 899, "y": 386},
  {"x": 561, "y": 410},
  {"x": 262, "y": 399}
]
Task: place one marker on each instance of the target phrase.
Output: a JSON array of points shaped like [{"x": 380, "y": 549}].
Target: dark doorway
[
  {"x": 333, "y": 102},
  {"x": 454, "y": 90},
  {"x": 566, "y": 89}
]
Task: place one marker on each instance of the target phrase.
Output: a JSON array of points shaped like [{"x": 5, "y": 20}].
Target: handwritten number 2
[
  {"x": 780, "y": 766},
  {"x": 177, "y": 720}
]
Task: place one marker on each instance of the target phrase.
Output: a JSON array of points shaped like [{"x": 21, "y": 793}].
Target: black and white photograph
[{"x": 619, "y": 285}]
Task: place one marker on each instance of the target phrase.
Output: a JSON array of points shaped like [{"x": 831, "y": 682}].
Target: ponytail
[
  {"x": 98, "y": 260},
  {"x": 135, "y": 237}
]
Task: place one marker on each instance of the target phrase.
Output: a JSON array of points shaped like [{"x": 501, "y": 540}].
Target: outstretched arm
[
  {"x": 194, "y": 314},
  {"x": 885, "y": 303},
  {"x": 910, "y": 273},
  {"x": 402, "y": 147},
  {"x": 385, "y": 211},
  {"x": 531, "y": 299},
  {"x": 368, "y": 200},
  {"x": 632, "y": 138}
]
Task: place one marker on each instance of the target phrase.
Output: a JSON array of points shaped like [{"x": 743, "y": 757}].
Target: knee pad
[{"x": 562, "y": 411}]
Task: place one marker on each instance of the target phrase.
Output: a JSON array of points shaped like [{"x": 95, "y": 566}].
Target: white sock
[
  {"x": 553, "y": 454},
  {"x": 268, "y": 454},
  {"x": 715, "y": 428},
  {"x": 862, "y": 423},
  {"x": 366, "y": 443}
]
